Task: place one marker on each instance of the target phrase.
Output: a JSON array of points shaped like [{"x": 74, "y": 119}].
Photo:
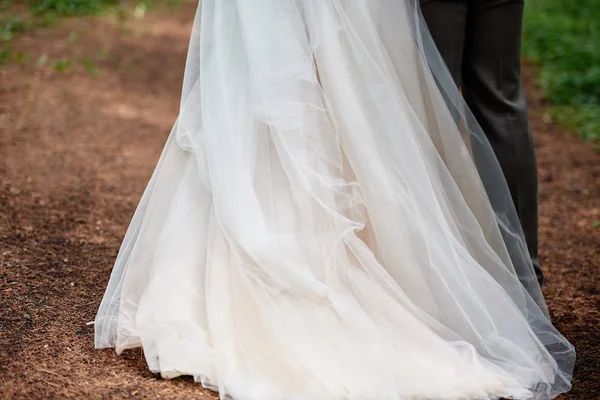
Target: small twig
[
  {"x": 49, "y": 372},
  {"x": 50, "y": 383}
]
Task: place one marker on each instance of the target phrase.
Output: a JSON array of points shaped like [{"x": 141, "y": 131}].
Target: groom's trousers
[{"x": 480, "y": 41}]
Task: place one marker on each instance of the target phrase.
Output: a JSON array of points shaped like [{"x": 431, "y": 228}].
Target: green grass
[
  {"x": 562, "y": 37},
  {"x": 10, "y": 26},
  {"x": 61, "y": 65},
  {"x": 5, "y": 53},
  {"x": 70, "y": 8},
  {"x": 17, "y": 16},
  {"x": 91, "y": 66}
]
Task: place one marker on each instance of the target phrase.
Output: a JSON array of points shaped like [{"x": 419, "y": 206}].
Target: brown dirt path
[{"x": 75, "y": 154}]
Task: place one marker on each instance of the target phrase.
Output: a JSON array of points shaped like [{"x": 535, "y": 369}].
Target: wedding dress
[{"x": 327, "y": 221}]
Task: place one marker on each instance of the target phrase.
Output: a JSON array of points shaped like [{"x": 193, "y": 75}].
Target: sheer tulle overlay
[{"x": 327, "y": 221}]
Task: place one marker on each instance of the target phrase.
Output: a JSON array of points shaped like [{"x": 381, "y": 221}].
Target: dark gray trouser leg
[
  {"x": 480, "y": 40},
  {"x": 447, "y": 22}
]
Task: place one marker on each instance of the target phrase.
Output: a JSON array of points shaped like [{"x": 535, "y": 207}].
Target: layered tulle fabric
[{"x": 327, "y": 221}]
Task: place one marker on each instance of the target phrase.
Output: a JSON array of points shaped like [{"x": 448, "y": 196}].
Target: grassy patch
[
  {"x": 61, "y": 65},
  {"x": 91, "y": 66},
  {"x": 563, "y": 39},
  {"x": 71, "y": 8},
  {"x": 17, "y": 17},
  {"x": 10, "y": 26},
  {"x": 5, "y": 53}
]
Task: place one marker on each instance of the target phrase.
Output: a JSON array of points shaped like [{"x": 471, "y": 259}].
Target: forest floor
[{"x": 80, "y": 132}]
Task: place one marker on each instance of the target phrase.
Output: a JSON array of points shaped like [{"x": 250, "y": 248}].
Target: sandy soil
[{"x": 76, "y": 151}]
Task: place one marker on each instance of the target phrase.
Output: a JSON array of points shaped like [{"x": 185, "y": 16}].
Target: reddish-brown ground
[{"x": 76, "y": 151}]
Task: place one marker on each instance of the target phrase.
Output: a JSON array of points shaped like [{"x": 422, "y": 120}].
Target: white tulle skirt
[{"x": 327, "y": 221}]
